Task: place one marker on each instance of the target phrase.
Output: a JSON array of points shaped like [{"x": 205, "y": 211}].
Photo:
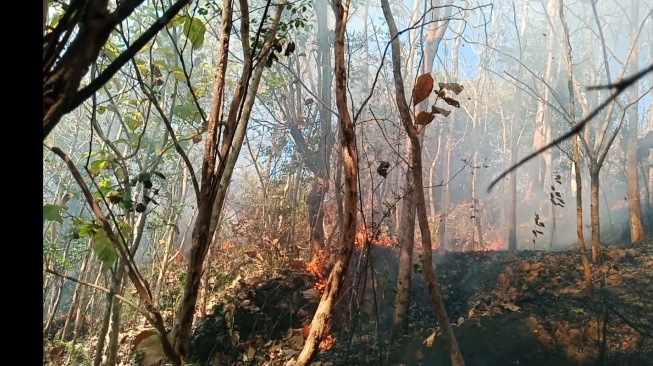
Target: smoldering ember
[{"x": 337, "y": 182}]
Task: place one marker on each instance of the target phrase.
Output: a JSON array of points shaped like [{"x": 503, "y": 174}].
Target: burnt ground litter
[{"x": 525, "y": 308}]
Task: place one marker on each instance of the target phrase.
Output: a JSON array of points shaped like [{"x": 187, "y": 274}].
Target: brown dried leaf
[
  {"x": 454, "y": 87},
  {"x": 152, "y": 350},
  {"x": 424, "y": 118},
  {"x": 423, "y": 88},
  {"x": 141, "y": 336},
  {"x": 452, "y": 102},
  {"x": 442, "y": 111},
  {"x": 428, "y": 342},
  {"x": 311, "y": 295}
]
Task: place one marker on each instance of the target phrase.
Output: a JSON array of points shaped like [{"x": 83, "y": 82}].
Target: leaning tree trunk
[
  {"x": 319, "y": 325},
  {"x": 406, "y": 235},
  {"x": 406, "y": 232},
  {"x": 420, "y": 200}
]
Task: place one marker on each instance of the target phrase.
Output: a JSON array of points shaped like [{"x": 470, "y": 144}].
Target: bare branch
[{"x": 616, "y": 88}]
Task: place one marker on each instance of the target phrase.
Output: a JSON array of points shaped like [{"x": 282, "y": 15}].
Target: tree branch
[
  {"x": 129, "y": 53},
  {"x": 103, "y": 289},
  {"x": 616, "y": 88}
]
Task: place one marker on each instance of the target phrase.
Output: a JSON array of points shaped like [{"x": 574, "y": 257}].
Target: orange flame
[
  {"x": 495, "y": 245},
  {"x": 327, "y": 342},
  {"x": 319, "y": 267},
  {"x": 364, "y": 235}
]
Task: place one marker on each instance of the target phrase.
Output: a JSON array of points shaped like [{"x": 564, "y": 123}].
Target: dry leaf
[
  {"x": 454, "y": 87},
  {"x": 141, "y": 336},
  {"x": 428, "y": 342},
  {"x": 152, "y": 350},
  {"x": 424, "y": 118},
  {"x": 296, "y": 341},
  {"x": 511, "y": 307},
  {"x": 442, "y": 111},
  {"x": 423, "y": 88},
  {"x": 452, "y": 102},
  {"x": 311, "y": 295}
]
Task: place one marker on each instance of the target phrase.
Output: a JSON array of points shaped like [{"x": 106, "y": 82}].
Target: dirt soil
[{"x": 526, "y": 308}]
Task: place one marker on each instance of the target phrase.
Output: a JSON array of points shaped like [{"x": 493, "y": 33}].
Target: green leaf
[
  {"x": 178, "y": 73},
  {"x": 144, "y": 177},
  {"x": 194, "y": 29},
  {"x": 98, "y": 166},
  {"x": 87, "y": 228},
  {"x": 167, "y": 52},
  {"x": 104, "y": 249},
  {"x": 186, "y": 111},
  {"x": 126, "y": 203},
  {"x": 101, "y": 109},
  {"x": 132, "y": 123},
  {"x": 176, "y": 20},
  {"x": 160, "y": 175},
  {"x": 53, "y": 212},
  {"x": 125, "y": 228}
]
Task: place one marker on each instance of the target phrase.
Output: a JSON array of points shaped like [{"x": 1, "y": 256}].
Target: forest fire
[
  {"x": 319, "y": 267},
  {"x": 327, "y": 341},
  {"x": 495, "y": 245},
  {"x": 365, "y": 235}
]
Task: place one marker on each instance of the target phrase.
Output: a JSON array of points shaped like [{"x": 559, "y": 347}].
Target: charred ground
[{"x": 526, "y": 308}]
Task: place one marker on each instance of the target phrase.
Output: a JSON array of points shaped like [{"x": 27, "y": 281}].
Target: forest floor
[{"x": 526, "y": 308}]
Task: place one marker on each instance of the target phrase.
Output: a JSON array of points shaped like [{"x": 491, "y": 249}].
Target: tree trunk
[
  {"x": 406, "y": 240},
  {"x": 114, "y": 323},
  {"x": 428, "y": 267},
  {"x": 320, "y": 324},
  {"x": 99, "y": 348},
  {"x": 636, "y": 225},
  {"x": 594, "y": 212},
  {"x": 512, "y": 183},
  {"x": 406, "y": 237},
  {"x": 576, "y": 156},
  {"x": 74, "y": 303},
  {"x": 216, "y": 177}
]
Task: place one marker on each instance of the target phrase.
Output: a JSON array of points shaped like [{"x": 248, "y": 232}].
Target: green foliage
[
  {"x": 104, "y": 249},
  {"x": 187, "y": 112},
  {"x": 53, "y": 212},
  {"x": 194, "y": 29},
  {"x": 97, "y": 166}
]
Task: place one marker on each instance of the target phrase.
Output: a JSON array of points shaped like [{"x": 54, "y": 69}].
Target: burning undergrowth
[{"x": 528, "y": 308}]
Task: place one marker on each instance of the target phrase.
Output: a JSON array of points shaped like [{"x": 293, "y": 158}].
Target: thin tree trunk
[
  {"x": 99, "y": 348},
  {"x": 576, "y": 156},
  {"x": 636, "y": 225},
  {"x": 320, "y": 324},
  {"x": 428, "y": 267},
  {"x": 512, "y": 184},
  {"x": 216, "y": 175},
  {"x": 74, "y": 302},
  {"x": 406, "y": 240}
]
